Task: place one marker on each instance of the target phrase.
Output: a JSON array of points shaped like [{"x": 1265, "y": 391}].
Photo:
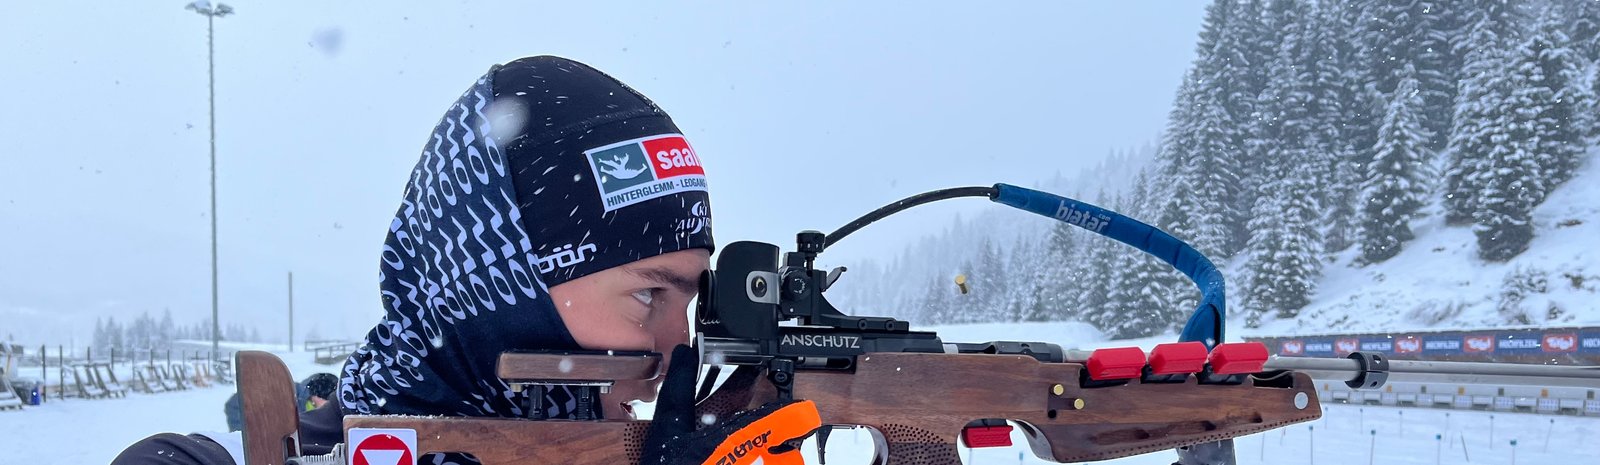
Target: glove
[{"x": 768, "y": 433}]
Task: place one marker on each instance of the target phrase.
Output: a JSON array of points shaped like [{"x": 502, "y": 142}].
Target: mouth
[{"x": 626, "y": 408}]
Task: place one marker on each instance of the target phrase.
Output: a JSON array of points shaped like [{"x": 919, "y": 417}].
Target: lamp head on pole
[{"x": 205, "y": 8}]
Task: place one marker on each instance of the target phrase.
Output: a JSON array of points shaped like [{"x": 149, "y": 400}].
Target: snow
[
  {"x": 87, "y": 431},
  {"x": 1346, "y": 434},
  {"x": 1440, "y": 270},
  {"x": 95, "y": 431}
]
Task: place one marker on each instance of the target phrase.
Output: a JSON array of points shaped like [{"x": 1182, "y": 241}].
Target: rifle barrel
[{"x": 1420, "y": 371}]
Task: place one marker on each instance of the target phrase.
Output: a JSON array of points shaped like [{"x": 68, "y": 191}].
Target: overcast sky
[{"x": 805, "y": 117}]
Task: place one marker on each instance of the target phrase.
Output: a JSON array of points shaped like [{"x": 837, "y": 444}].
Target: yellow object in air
[{"x": 961, "y": 283}]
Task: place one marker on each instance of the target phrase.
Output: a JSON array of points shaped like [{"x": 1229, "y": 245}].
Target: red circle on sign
[{"x": 382, "y": 443}]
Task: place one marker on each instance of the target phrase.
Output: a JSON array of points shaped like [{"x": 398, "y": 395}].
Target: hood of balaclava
[{"x": 544, "y": 171}]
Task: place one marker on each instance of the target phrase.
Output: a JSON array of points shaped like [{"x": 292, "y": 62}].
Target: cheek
[
  {"x": 670, "y": 328},
  {"x": 596, "y": 324}
]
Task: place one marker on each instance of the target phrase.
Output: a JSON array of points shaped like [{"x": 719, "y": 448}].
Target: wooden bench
[
  {"x": 158, "y": 375},
  {"x": 144, "y": 383},
  {"x": 8, "y": 396},
  {"x": 105, "y": 376},
  {"x": 200, "y": 373},
  {"x": 9, "y": 399},
  {"x": 222, "y": 371},
  {"x": 174, "y": 377},
  {"x": 82, "y": 384},
  {"x": 184, "y": 375}
]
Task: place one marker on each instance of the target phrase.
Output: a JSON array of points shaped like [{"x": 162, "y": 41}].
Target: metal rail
[{"x": 1416, "y": 371}]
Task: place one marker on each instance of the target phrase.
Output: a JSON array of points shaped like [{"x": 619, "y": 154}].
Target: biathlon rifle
[{"x": 920, "y": 395}]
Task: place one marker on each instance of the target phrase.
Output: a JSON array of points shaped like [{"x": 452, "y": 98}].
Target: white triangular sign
[{"x": 382, "y": 457}]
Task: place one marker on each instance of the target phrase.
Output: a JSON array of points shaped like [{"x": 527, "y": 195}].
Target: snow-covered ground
[
  {"x": 93, "y": 431},
  {"x": 1348, "y": 435},
  {"x": 1438, "y": 282}
]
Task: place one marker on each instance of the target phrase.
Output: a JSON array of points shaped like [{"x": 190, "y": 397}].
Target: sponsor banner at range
[{"x": 1555, "y": 343}]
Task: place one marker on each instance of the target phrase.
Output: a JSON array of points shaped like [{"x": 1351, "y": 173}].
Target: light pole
[{"x": 204, "y": 8}]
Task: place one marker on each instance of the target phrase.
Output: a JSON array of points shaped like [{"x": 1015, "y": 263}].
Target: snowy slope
[{"x": 1438, "y": 282}]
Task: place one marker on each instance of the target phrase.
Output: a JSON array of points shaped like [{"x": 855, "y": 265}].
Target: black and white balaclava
[{"x": 544, "y": 171}]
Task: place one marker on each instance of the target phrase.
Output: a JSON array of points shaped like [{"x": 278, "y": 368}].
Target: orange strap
[{"x": 747, "y": 444}]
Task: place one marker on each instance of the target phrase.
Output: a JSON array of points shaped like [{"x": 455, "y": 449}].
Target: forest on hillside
[{"x": 1303, "y": 129}]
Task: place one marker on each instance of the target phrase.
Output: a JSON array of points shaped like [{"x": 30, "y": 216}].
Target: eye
[{"x": 645, "y": 296}]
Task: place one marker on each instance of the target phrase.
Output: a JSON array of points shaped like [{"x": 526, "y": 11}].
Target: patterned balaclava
[{"x": 544, "y": 171}]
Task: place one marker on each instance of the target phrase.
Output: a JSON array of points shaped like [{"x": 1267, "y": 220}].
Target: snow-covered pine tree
[
  {"x": 141, "y": 331},
  {"x": 1174, "y": 194},
  {"x": 1259, "y": 280},
  {"x": 1096, "y": 275},
  {"x": 1135, "y": 305},
  {"x": 1152, "y": 283},
  {"x": 1594, "y": 105},
  {"x": 101, "y": 341},
  {"x": 1581, "y": 22},
  {"x": 1512, "y": 180},
  {"x": 1409, "y": 39},
  {"x": 1261, "y": 131},
  {"x": 1517, "y": 285},
  {"x": 1021, "y": 261},
  {"x": 1484, "y": 42},
  {"x": 991, "y": 285},
  {"x": 1284, "y": 249},
  {"x": 114, "y": 336},
  {"x": 1394, "y": 186},
  {"x": 166, "y": 331},
  {"x": 1177, "y": 196},
  {"x": 1054, "y": 286},
  {"x": 1338, "y": 102},
  {"x": 1284, "y": 254},
  {"x": 1557, "y": 86},
  {"x": 1226, "y": 86},
  {"x": 1213, "y": 174}
]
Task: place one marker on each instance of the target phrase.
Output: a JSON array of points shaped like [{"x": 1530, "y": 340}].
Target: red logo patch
[
  {"x": 1294, "y": 347},
  {"x": 1407, "y": 345},
  {"x": 1345, "y": 346},
  {"x": 1478, "y": 344},
  {"x": 672, "y": 156},
  {"x": 1567, "y": 342}
]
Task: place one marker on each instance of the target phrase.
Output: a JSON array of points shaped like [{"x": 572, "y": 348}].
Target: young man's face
[{"x": 638, "y": 306}]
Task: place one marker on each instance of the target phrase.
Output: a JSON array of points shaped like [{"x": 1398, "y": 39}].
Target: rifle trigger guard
[{"x": 1371, "y": 373}]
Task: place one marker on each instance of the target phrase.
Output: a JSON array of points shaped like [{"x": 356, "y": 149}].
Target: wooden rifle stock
[
  {"x": 918, "y": 403},
  {"x": 271, "y": 418}
]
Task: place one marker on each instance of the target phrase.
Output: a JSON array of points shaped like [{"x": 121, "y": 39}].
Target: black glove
[{"x": 765, "y": 433}]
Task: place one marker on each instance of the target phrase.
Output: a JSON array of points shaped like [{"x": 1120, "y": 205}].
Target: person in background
[{"x": 309, "y": 394}]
